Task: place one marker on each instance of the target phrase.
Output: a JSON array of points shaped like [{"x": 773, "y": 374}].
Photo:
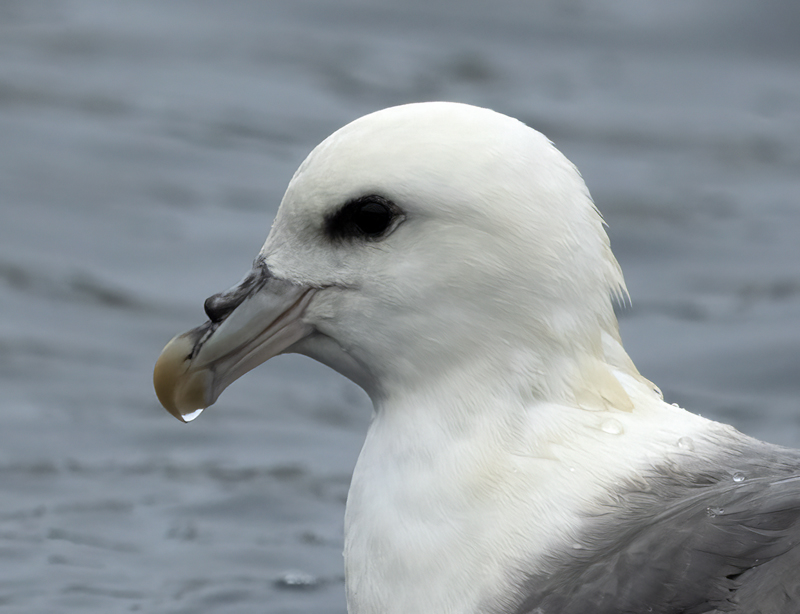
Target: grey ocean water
[{"x": 144, "y": 148}]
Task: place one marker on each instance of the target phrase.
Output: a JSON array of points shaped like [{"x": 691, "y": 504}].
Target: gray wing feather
[{"x": 692, "y": 542}]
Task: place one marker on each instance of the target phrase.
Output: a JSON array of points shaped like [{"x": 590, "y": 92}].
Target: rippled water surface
[{"x": 144, "y": 147}]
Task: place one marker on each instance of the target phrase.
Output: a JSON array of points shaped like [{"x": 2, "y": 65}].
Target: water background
[{"x": 144, "y": 147}]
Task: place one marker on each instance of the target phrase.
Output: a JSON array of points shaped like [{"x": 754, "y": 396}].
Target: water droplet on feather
[{"x": 612, "y": 427}]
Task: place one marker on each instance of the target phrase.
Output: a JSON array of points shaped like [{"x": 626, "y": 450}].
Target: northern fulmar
[{"x": 450, "y": 261}]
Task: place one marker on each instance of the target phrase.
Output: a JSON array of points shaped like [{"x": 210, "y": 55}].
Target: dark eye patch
[{"x": 366, "y": 217}]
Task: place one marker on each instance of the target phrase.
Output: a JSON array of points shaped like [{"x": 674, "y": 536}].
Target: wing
[{"x": 718, "y": 542}]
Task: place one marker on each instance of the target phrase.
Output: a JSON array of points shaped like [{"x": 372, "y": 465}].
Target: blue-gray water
[{"x": 144, "y": 147}]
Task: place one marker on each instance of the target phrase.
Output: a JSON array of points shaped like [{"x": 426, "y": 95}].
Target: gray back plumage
[{"x": 713, "y": 534}]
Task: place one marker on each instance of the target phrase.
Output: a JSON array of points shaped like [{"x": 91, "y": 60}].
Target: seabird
[{"x": 450, "y": 261}]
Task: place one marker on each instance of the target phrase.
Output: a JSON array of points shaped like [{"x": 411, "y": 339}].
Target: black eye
[
  {"x": 366, "y": 217},
  {"x": 372, "y": 218}
]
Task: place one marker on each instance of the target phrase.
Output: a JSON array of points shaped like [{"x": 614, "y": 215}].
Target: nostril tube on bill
[{"x": 219, "y": 306}]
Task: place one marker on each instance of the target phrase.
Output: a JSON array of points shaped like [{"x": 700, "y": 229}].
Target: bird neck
[{"x": 457, "y": 489}]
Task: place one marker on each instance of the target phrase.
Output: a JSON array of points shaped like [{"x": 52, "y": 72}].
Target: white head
[
  {"x": 416, "y": 238},
  {"x": 496, "y": 242}
]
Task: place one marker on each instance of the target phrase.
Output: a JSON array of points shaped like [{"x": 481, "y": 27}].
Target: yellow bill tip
[{"x": 182, "y": 391}]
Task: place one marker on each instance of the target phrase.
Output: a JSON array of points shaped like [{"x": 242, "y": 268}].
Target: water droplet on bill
[{"x": 192, "y": 415}]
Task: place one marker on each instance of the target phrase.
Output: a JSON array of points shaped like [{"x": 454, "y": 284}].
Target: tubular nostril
[{"x": 219, "y": 306}]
